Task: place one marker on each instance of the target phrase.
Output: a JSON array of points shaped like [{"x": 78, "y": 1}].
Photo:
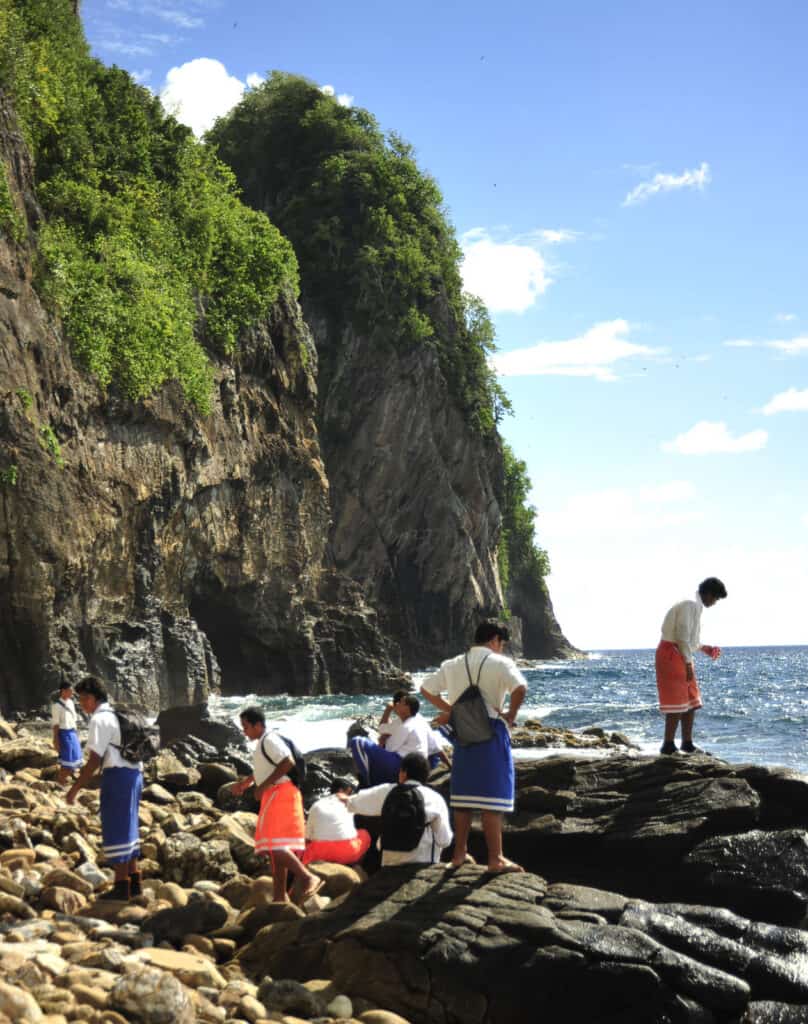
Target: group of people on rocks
[{"x": 393, "y": 772}]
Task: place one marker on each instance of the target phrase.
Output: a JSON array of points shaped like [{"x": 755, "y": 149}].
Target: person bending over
[
  {"x": 331, "y": 834},
  {"x": 402, "y": 731}
]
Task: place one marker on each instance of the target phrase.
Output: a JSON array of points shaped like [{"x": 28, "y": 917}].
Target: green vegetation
[
  {"x": 520, "y": 558},
  {"x": 375, "y": 247},
  {"x": 49, "y": 442},
  {"x": 10, "y": 220},
  {"x": 143, "y": 226},
  {"x": 9, "y": 475},
  {"x": 25, "y": 398}
]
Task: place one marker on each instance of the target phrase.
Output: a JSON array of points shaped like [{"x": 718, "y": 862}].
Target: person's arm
[
  {"x": 432, "y": 688},
  {"x": 711, "y": 652},
  {"x": 686, "y": 630},
  {"x": 92, "y": 765},
  {"x": 369, "y": 801},
  {"x": 242, "y": 785},
  {"x": 514, "y": 703},
  {"x": 440, "y": 824},
  {"x": 56, "y": 738}
]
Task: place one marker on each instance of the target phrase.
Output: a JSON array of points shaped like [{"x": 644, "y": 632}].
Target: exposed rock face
[
  {"x": 166, "y": 552},
  {"x": 415, "y": 494}
]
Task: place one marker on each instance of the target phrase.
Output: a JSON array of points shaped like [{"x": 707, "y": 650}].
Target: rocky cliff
[{"x": 165, "y": 551}]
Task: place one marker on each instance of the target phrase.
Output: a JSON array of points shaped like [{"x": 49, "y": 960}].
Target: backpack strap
[
  {"x": 479, "y": 670},
  {"x": 266, "y": 755}
]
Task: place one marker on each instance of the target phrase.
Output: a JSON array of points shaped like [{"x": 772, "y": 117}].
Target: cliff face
[
  {"x": 166, "y": 552},
  {"x": 414, "y": 494}
]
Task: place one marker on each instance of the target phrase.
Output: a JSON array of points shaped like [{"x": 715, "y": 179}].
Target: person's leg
[
  {"x": 492, "y": 830},
  {"x": 687, "y": 731},
  {"x": 280, "y": 877},
  {"x": 286, "y": 862},
  {"x": 671, "y": 725},
  {"x": 462, "y": 827}
]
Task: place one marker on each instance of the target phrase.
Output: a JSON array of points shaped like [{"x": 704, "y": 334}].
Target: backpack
[
  {"x": 403, "y": 817},
  {"x": 297, "y": 775},
  {"x": 140, "y": 738},
  {"x": 469, "y": 715}
]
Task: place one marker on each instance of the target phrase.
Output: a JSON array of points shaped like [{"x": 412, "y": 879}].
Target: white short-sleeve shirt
[
  {"x": 682, "y": 626},
  {"x": 329, "y": 820},
  {"x": 104, "y": 737},
  {"x": 498, "y": 676},
  {"x": 63, "y": 714},
  {"x": 269, "y": 748}
]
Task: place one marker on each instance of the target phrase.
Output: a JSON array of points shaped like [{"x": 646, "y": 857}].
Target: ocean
[{"x": 755, "y": 703}]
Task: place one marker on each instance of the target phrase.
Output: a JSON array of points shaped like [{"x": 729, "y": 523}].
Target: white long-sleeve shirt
[
  {"x": 682, "y": 626},
  {"x": 412, "y": 736},
  {"x": 437, "y": 833}
]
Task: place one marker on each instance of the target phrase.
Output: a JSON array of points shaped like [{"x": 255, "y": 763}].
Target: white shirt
[
  {"x": 329, "y": 820},
  {"x": 63, "y": 714},
  {"x": 682, "y": 626},
  {"x": 270, "y": 747},
  {"x": 412, "y": 736},
  {"x": 104, "y": 737},
  {"x": 437, "y": 833},
  {"x": 498, "y": 677}
]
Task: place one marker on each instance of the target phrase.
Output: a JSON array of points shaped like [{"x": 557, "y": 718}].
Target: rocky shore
[{"x": 658, "y": 889}]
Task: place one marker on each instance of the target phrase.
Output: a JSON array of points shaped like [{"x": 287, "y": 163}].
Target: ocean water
[{"x": 755, "y": 703}]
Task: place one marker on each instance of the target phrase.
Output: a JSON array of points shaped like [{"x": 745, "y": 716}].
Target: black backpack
[
  {"x": 403, "y": 817},
  {"x": 296, "y": 774},
  {"x": 140, "y": 738}
]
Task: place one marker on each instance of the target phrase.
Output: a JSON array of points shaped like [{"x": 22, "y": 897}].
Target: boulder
[
  {"x": 198, "y": 917},
  {"x": 151, "y": 996},
  {"x": 187, "y": 859},
  {"x": 178, "y": 723},
  {"x": 167, "y": 770}
]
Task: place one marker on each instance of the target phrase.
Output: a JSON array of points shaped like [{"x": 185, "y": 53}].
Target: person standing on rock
[
  {"x": 482, "y": 773},
  {"x": 65, "y": 737},
  {"x": 679, "y": 695},
  {"x": 407, "y": 733},
  {"x": 121, "y": 787},
  {"x": 280, "y": 833}
]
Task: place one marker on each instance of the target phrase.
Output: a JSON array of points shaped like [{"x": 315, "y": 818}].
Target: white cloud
[
  {"x": 175, "y": 17},
  {"x": 344, "y": 99},
  {"x": 792, "y": 400},
  {"x": 198, "y": 92},
  {"x": 741, "y": 343},
  {"x": 254, "y": 80},
  {"x": 141, "y": 77},
  {"x": 792, "y": 348},
  {"x": 554, "y": 236},
  {"x": 590, "y": 355},
  {"x": 706, "y": 438},
  {"x": 507, "y": 276},
  {"x": 620, "y": 510},
  {"x": 785, "y": 318},
  {"x": 127, "y": 49},
  {"x": 697, "y": 178}
]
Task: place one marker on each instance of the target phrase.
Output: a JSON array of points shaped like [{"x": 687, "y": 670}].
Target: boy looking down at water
[{"x": 679, "y": 695}]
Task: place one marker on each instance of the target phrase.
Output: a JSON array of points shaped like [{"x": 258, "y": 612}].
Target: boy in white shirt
[
  {"x": 65, "y": 737},
  {"x": 331, "y": 834},
  {"x": 407, "y": 733}
]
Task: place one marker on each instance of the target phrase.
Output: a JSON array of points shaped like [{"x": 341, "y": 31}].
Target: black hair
[
  {"x": 253, "y": 715},
  {"x": 712, "y": 587},
  {"x": 415, "y": 767},
  {"x": 340, "y": 785},
  {"x": 486, "y": 632},
  {"x": 409, "y": 699},
  {"x": 93, "y": 686}
]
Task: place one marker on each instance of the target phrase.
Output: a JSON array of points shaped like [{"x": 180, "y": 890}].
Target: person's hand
[
  {"x": 715, "y": 653},
  {"x": 343, "y": 796},
  {"x": 508, "y": 718},
  {"x": 441, "y": 719}
]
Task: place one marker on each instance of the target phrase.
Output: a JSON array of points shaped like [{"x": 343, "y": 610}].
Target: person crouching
[{"x": 331, "y": 834}]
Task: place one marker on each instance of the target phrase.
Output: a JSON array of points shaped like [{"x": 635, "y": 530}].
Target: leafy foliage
[
  {"x": 49, "y": 442},
  {"x": 9, "y": 475},
  {"x": 146, "y": 250},
  {"x": 519, "y": 555},
  {"x": 10, "y": 219},
  {"x": 375, "y": 247}
]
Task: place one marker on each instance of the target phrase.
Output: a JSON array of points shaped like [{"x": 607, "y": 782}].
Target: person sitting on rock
[
  {"x": 121, "y": 786},
  {"x": 678, "y": 689},
  {"x": 408, "y": 733},
  {"x": 331, "y": 834},
  {"x": 415, "y": 818},
  {"x": 280, "y": 833},
  {"x": 482, "y": 772},
  {"x": 65, "y": 737}
]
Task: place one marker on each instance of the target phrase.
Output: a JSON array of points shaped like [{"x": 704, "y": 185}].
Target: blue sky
[{"x": 628, "y": 184}]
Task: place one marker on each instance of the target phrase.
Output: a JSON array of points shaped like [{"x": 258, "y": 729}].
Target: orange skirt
[
  {"x": 677, "y": 695},
  {"x": 338, "y": 851},
  {"x": 280, "y": 820}
]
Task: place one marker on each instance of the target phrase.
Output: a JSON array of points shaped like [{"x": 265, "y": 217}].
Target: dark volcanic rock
[
  {"x": 465, "y": 946},
  {"x": 198, "y": 917}
]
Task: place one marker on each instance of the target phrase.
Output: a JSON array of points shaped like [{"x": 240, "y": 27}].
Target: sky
[{"x": 627, "y": 183}]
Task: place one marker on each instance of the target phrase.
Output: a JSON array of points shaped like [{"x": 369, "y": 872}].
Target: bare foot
[
  {"x": 465, "y": 859},
  {"x": 314, "y": 886},
  {"x": 503, "y": 866}
]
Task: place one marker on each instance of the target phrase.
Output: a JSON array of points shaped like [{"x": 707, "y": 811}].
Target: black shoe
[
  {"x": 669, "y": 747},
  {"x": 689, "y": 748},
  {"x": 119, "y": 891},
  {"x": 135, "y": 884}
]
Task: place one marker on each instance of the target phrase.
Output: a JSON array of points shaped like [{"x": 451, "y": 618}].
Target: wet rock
[
  {"x": 290, "y": 997},
  {"x": 178, "y": 723}
]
